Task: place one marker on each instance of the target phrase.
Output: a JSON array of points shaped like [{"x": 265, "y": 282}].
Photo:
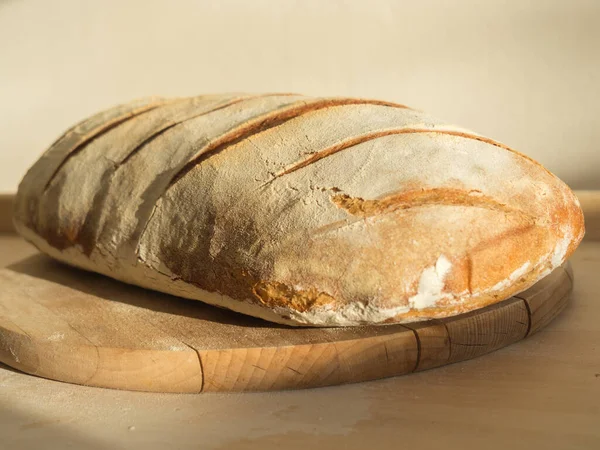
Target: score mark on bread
[{"x": 299, "y": 210}]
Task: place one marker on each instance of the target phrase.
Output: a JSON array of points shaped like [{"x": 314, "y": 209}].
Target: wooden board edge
[
  {"x": 260, "y": 369},
  {"x": 409, "y": 348},
  {"x": 440, "y": 341},
  {"x": 114, "y": 368},
  {"x": 544, "y": 312}
]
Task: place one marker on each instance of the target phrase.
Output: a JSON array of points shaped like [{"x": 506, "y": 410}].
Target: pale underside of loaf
[{"x": 299, "y": 210}]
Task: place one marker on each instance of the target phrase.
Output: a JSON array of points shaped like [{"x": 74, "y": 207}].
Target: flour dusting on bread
[
  {"x": 560, "y": 251},
  {"x": 299, "y": 210},
  {"x": 431, "y": 285}
]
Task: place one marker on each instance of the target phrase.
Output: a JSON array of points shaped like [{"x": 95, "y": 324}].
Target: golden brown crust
[
  {"x": 422, "y": 197},
  {"x": 303, "y": 211},
  {"x": 273, "y": 295}
]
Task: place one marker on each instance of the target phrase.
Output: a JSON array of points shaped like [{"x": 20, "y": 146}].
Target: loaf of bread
[{"x": 299, "y": 210}]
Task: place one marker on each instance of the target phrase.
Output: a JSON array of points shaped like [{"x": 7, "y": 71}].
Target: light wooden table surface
[{"x": 543, "y": 392}]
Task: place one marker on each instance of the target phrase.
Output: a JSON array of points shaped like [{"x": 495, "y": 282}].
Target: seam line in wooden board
[
  {"x": 529, "y": 314},
  {"x": 449, "y": 339},
  {"x": 97, "y": 368},
  {"x": 339, "y": 361},
  {"x": 545, "y": 316},
  {"x": 308, "y": 360},
  {"x": 181, "y": 341},
  {"x": 418, "y": 339},
  {"x": 541, "y": 312},
  {"x": 423, "y": 351},
  {"x": 200, "y": 363}
]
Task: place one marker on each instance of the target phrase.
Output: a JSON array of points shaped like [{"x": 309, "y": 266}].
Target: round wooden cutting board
[{"x": 69, "y": 325}]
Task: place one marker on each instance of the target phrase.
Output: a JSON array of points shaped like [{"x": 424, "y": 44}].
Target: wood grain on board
[{"x": 66, "y": 324}]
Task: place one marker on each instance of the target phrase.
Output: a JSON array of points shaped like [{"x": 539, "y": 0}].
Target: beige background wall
[{"x": 524, "y": 72}]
